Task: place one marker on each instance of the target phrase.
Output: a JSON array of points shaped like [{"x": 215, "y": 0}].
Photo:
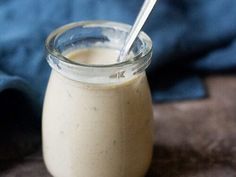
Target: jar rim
[{"x": 97, "y": 23}]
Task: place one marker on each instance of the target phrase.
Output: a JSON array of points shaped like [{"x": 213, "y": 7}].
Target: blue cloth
[{"x": 190, "y": 38}]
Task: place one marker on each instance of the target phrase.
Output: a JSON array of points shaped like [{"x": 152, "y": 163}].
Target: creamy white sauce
[{"x": 94, "y": 130}]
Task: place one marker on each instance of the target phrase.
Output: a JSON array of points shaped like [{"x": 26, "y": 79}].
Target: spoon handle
[{"x": 138, "y": 24}]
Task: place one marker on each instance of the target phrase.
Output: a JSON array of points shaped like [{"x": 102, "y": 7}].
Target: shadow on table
[
  {"x": 177, "y": 162},
  {"x": 19, "y": 136}
]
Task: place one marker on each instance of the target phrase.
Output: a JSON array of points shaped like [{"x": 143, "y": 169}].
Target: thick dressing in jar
[{"x": 97, "y": 130}]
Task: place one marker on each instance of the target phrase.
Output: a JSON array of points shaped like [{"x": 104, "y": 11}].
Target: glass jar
[{"x": 97, "y": 119}]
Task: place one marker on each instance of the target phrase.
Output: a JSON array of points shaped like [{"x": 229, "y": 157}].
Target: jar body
[{"x": 97, "y": 130}]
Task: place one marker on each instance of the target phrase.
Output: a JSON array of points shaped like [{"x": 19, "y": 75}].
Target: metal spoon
[{"x": 138, "y": 24}]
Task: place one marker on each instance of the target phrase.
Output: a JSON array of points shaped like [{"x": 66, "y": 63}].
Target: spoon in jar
[{"x": 135, "y": 30}]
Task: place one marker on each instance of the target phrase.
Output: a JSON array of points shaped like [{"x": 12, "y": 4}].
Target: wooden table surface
[{"x": 192, "y": 138}]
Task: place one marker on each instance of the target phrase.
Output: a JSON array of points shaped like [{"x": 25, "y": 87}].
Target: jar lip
[{"x": 97, "y": 23}]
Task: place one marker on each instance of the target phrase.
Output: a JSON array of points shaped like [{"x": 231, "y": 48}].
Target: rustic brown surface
[{"x": 192, "y": 138}]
